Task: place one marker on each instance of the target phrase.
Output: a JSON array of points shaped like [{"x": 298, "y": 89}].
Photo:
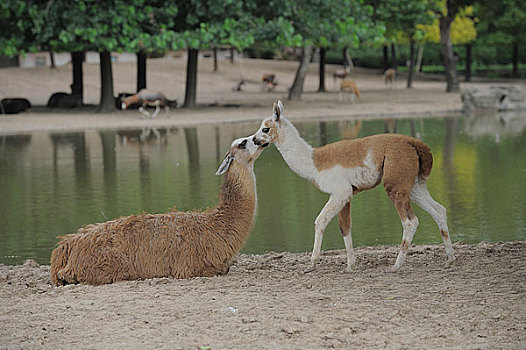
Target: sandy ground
[
  {"x": 265, "y": 302},
  {"x": 428, "y": 96}
]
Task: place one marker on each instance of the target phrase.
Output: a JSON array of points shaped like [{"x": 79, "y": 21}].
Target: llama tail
[
  {"x": 59, "y": 261},
  {"x": 425, "y": 158}
]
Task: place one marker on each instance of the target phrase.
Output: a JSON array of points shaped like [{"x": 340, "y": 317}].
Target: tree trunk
[
  {"x": 515, "y": 61},
  {"x": 215, "y": 59},
  {"x": 411, "y": 67},
  {"x": 191, "y": 79},
  {"x": 107, "y": 102},
  {"x": 141, "y": 71},
  {"x": 393, "y": 57},
  {"x": 297, "y": 87},
  {"x": 322, "y": 70},
  {"x": 467, "y": 72},
  {"x": 386, "y": 57},
  {"x": 346, "y": 59},
  {"x": 446, "y": 50},
  {"x": 52, "y": 58},
  {"x": 231, "y": 55},
  {"x": 419, "y": 58},
  {"x": 77, "y": 88}
]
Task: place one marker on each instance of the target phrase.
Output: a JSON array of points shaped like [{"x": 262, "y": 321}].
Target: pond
[{"x": 52, "y": 184}]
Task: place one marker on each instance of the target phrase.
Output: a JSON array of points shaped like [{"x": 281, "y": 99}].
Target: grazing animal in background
[
  {"x": 147, "y": 98},
  {"x": 175, "y": 244},
  {"x": 63, "y": 100},
  {"x": 341, "y": 74},
  {"x": 239, "y": 85},
  {"x": 389, "y": 77},
  {"x": 14, "y": 105},
  {"x": 349, "y": 85},
  {"x": 345, "y": 168},
  {"x": 269, "y": 82}
]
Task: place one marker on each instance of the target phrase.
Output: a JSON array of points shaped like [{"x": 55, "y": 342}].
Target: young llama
[
  {"x": 347, "y": 167},
  {"x": 177, "y": 244}
]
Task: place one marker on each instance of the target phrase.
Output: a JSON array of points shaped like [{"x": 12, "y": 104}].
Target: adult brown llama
[{"x": 175, "y": 244}]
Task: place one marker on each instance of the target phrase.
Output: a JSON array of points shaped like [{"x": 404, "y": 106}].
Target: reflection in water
[
  {"x": 109, "y": 170},
  {"x": 54, "y": 184}
]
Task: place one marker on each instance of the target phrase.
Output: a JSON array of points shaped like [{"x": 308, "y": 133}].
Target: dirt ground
[{"x": 265, "y": 302}]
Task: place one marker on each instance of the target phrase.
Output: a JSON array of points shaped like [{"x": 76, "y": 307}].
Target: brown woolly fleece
[{"x": 176, "y": 244}]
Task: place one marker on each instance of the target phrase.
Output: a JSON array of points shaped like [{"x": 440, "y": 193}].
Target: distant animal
[
  {"x": 147, "y": 98},
  {"x": 341, "y": 74},
  {"x": 63, "y": 100},
  {"x": 351, "y": 87},
  {"x": 239, "y": 85},
  {"x": 269, "y": 81},
  {"x": 14, "y": 105},
  {"x": 345, "y": 168},
  {"x": 123, "y": 95},
  {"x": 174, "y": 244},
  {"x": 389, "y": 77}
]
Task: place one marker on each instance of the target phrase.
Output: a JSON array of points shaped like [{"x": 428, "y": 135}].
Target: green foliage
[
  {"x": 16, "y": 33},
  {"x": 406, "y": 17},
  {"x": 75, "y": 25},
  {"x": 502, "y": 22}
]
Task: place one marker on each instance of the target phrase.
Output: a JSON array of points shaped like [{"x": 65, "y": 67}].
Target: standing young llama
[
  {"x": 177, "y": 244},
  {"x": 347, "y": 167}
]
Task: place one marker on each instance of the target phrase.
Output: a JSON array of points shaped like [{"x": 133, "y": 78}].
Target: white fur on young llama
[{"x": 347, "y": 167}]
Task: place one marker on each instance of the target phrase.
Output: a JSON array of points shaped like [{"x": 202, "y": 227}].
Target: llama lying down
[
  {"x": 176, "y": 244},
  {"x": 345, "y": 168}
]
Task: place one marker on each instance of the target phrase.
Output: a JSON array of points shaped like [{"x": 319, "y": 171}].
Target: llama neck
[
  {"x": 237, "y": 203},
  {"x": 296, "y": 152}
]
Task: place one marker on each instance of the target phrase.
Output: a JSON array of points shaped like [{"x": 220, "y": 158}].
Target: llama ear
[
  {"x": 226, "y": 164},
  {"x": 277, "y": 111}
]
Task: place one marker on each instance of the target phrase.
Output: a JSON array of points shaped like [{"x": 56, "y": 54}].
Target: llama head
[
  {"x": 268, "y": 131},
  {"x": 244, "y": 151}
]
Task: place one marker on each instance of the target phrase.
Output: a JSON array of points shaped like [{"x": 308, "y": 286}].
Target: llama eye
[
  {"x": 265, "y": 130},
  {"x": 243, "y": 144}
]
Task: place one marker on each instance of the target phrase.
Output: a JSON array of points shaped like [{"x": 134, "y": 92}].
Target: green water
[{"x": 52, "y": 184}]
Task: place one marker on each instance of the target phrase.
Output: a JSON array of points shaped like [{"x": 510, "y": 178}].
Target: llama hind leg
[
  {"x": 331, "y": 208},
  {"x": 420, "y": 195},
  {"x": 345, "y": 222},
  {"x": 409, "y": 224}
]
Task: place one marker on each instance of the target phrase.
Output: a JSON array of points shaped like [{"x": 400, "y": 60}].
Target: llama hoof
[
  {"x": 450, "y": 260},
  {"x": 395, "y": 268},
  {"x": 348, "y": 269}
]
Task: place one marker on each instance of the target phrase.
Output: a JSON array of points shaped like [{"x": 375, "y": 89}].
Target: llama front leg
[
  {"x": 144, "y": 112},
  {"x": 331, "y": 208},
  {"x": 157, "y": 109}
]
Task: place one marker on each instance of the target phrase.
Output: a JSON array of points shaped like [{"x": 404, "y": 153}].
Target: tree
[
  {"x": 405, "y": 18},
  {"x": 502, "y": 23},
  {"x": 204, "y": 24},
  {"x": 325, "y": 24},
  {"x": 463, "y": 32},
  {"x": 447, "y": 11},
  {"x": 104, "y": 26}
]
